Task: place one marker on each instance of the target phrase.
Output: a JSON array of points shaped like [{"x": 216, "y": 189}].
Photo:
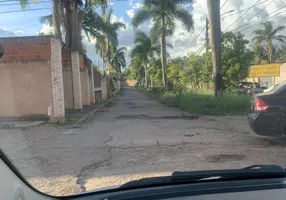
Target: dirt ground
[{"x": 132, "y": 138}]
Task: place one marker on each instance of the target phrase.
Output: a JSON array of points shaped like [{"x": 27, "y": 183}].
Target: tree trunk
[
  {"x": 55, "y": 19},
  {"x": 102, "y": 56},
  {"x": 270, "y": 51},
  {"x": 163, "y": 54},
  {"x": 68, "y": 38},
  {"x": 146, "y": 77},
  {"x": 74, "y": 37},
  {"x": 215, "y": 33}
]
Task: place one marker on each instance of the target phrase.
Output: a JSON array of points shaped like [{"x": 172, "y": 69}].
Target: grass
[{"x": 203, "y": 103}]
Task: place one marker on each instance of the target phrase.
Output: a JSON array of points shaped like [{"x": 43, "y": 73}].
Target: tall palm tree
[
  {"x": 267, "y": 35},
  {"x": 68, "y": 14},
  {"x": 118, "y": 60},
  {"x": 144, "y": 49},
  {"x": 163, "y": 13},
  {"x": 112, "y": 34}
]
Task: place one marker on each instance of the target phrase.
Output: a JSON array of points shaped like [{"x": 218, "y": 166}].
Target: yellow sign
[{"x": 264, "y": 70}]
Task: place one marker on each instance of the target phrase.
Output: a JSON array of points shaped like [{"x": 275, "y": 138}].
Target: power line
[
  {"x": 183, "y": 51},
  {"x": 272, "y": 17},
  {"x": 231, "y": 14},
  {"x": 241, "y": 16},
  {"x": 260, "y": 11},
  {"x": 13, "y": 11},
  {"x": 223, "y": 4},
  {"x": 262, "y": 17},
  {"x": 15, "y": 4},
  {"x": 200, "y": 49}
]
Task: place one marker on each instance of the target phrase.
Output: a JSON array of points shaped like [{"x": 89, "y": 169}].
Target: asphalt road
[{"x": 134, "y": 137}]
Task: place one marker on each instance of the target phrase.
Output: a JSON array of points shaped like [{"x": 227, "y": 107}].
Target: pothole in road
[
  {"x": 151, "y": 117},
  {"x": 225, "y": 158},
  {"x": 129, "y": 103},
  {"x": 136, "y": 107},
  {"x": 30, "y": 162}
]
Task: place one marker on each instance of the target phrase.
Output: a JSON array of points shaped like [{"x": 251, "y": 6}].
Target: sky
[{"x": 236, "y": 15}]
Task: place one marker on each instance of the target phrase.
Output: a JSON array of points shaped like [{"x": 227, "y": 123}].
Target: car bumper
[{"x": 265, "y": 124}]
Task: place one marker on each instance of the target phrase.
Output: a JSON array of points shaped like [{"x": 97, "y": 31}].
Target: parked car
[
  {"x": 249, "y": 88},
  {"x": 271, "y": 88},
  {"x": 268, "y": 112}
]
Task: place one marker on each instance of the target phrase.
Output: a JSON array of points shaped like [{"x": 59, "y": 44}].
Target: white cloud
[
  {"x": 4, "y": 32},
  {"x": 46, "y": 29},
  {"x": 19, "y": 32},
  {"x": 130, "y": 13},
  {"x": 137, "y": 5}
]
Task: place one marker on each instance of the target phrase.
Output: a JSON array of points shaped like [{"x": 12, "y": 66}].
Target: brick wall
[
  {"x": 81, "y": 62},
  {"x": 26, "y": 49},
  {"x": 66, "y": 58}
]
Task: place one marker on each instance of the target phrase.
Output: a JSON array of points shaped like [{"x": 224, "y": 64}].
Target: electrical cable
[{"x": 241, "y": 16}]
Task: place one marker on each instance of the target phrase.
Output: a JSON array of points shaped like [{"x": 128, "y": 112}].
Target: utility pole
[
  {"x": 215, "y": 36},
  {"x": 207, "y": 46},
  {"x": 207, "y": 35}
]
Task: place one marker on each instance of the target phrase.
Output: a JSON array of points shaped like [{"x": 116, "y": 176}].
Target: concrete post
[
  {"x": 92, "y": 86},
  {"x": 58, "y": 108},
  {"x": 76, "y": 80},
  {"x": 87, "y": 86},
  {"x": 104, "y": 88}
]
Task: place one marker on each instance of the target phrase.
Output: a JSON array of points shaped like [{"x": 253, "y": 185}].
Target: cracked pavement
[{"x": 132, "y": 138}]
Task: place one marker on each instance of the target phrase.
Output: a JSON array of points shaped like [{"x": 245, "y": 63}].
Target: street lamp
[{"x": 227, "y": 12}]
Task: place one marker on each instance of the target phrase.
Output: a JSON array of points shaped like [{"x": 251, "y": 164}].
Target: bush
[{"x": 203, "y": 103}]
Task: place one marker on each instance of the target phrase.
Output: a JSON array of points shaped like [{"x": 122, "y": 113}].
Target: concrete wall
[
  {"x": 97, "y": 79},
  {"x": 83, "y": 88},
  {"x": 282, "y": 76},
  {"x": 68, "y": 88},
  {"x": 25, "y": 77},
  {"x": 68, "y": 79},
  {"x": 31, "y": 78},
  {"x": 25, "y": 89}
]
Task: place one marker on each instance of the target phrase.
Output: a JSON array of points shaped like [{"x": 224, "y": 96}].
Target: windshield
[{"x": 94, "y": 94}]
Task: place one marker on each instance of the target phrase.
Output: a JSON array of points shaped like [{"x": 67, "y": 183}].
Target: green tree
[
  {"x": 68, "y": 17},
  {"x": 118, "y": 60},
  {"x": 155, "y": 72},
  {"x": 163, "y": 14},
  {"x": 267, "y": 35},
  {"x": 145, "y": 49},
  {"x": 260, "y": 53},
  {"x": 236, "y": 58},
  {"x": 137, "y": 69}
]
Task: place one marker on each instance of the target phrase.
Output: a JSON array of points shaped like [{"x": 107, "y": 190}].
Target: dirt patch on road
[
  {"x": 225, "y": 158},
  {"x": 152, "y": 117}
]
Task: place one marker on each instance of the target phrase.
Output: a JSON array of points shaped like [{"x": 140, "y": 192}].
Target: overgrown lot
[{"x": 203, "y": 103}]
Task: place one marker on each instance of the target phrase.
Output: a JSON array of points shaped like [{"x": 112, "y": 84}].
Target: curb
[
  {"x": 87, "y": 115},
  {"x": 15, "y": 125}
]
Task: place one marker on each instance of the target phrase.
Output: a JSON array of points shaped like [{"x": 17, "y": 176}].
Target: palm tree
[
  {"x": 118, "y": 60},
  {"x": 144, "y": 49},
  {"x": 112, "y": 34},
  {"x": 163, "y": 13},
  {"x": 68, "y": 14},
  {"x": 267, "y": 35}
]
